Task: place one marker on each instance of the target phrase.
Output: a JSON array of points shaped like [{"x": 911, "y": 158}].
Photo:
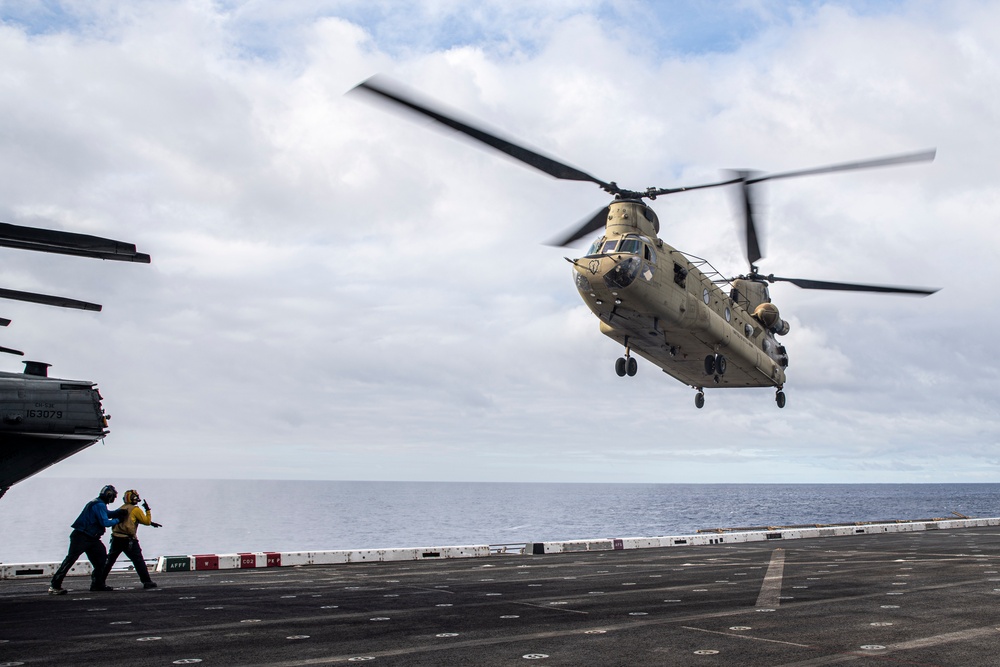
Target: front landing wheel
[
  {"x": 699, "y": 400},
  {"x": 620, "y": 366},
  {"x": 779, "y": 398}
]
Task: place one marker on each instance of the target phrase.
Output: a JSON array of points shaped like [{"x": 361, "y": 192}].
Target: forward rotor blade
[
  {"x": 921, "y": 156},
  {"x": 853, "y": 287},
  {"x": 48, "y": 300},
  {"x": 392, "y": 92},
  {"x": 588, "y": 226},
  {"x": 10, "y": 350}
]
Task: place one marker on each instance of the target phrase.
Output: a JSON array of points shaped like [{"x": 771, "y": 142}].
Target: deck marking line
[
  {"x": 431, "y": 590},
  {"x": 551, "y": 608},
  {"x": 946, "y": 638},
  {"x": 494, "y": 641},
  {"x": 758, "y": 639},
  {"x": 770, "y": 588}
]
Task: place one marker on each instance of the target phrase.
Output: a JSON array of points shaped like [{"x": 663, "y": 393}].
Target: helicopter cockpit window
[
  {"x": 631, "y": 246},
  {"x": 609, "y": 246},
  {"x": 595, "y": 247}
]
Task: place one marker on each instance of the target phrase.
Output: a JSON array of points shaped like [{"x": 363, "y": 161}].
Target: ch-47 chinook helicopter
[
  {"x": 44, "y": 420},
  {"x": 665, "y": 305}
]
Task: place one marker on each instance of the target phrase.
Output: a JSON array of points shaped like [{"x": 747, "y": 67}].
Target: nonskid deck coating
[{"x": 920, "y": 598}]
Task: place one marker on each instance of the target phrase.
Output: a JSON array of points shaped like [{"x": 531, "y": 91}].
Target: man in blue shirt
[{"x": 86, "y": 538}]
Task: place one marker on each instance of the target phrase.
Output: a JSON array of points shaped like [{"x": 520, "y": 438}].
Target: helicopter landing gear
[
  {"x": 699, "y": 400},
  {"x": 779, "y": 398},
  {"x": 715, "y": 364},
  {"x": 626, "y": 365}
]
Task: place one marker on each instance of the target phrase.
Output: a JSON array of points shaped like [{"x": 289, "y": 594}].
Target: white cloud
[{"x": 340, "y": 292}]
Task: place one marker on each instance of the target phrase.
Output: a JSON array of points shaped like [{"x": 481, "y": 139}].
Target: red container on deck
[{"x": 206, "y": 562}]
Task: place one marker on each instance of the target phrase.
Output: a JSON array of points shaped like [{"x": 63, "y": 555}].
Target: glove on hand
[
  {"x": 145, "y": 505},
  {"x": 155, "y": 525}
]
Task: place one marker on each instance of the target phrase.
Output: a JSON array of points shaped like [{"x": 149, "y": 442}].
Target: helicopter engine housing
[{"x": 768, "y": 315}]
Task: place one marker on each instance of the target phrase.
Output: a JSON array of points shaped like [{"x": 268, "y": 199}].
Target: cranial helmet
[
  {"x": 108, "y": 494},
  {"x": 132, "y": 497}
]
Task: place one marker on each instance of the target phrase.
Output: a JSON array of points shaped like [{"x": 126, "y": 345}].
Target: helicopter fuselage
[
  {"x": 43, "y": 420},
  {"x": 661, "y": 305}
]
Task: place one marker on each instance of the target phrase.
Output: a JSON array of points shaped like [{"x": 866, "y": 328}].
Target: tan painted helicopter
[{"x": 665, "y": 305}]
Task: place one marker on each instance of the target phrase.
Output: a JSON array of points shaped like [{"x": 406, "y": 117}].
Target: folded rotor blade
[
  {"x": 139, "y": 257},
  {"x": 920, "y": 156},
  {"x": 48, "y": 300},
  {"x": 391, "y": 92},
  {"x": 588, "y": 226},
  {"x": 853, "y": 287},
  {"x": 50, "y": 240}
]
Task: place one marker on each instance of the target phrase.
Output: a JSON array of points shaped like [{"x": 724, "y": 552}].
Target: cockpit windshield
[
  {"x": 595, "y": 247},
  {"x": 602, "y": 246},
  {"x": 631, "y": 246}
]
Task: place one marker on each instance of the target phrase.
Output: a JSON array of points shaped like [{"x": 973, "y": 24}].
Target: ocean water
[{"x": 227, "y": 516}]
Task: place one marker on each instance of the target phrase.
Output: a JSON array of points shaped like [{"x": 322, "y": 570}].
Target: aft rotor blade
[
  {"x": 920, "y": 156},
  {"x": 48, "y": 300},
  {"x": 10, "y": 350},
  {"x": 391, "y": 92},
  {"x": 853, "y": 287},
  {"x": 588, "y": 226},
  {"x": 749, "y": 224}
]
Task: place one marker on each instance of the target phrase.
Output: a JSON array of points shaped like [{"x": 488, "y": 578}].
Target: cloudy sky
[{"x": 340, "y": 292}]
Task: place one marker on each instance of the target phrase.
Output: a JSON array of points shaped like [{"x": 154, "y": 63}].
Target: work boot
[
  {"x": 149, "y": 584},
  {"x": 57, "y": 591}
]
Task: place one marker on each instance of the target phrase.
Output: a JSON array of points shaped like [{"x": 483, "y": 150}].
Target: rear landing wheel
[
  {"x": 720, "y": 365},
  {"x": 779, "y": 398},
  {"x": 631, "y": 366},
  {"x": 699, "y": 400},
  {"x": 710, "y": 365},
  {"x": 620, "y": 363}
]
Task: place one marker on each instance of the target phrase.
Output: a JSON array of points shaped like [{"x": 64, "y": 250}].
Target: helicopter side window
[
  {"x": 649, "y": 254},
  {"x": 609, "y": 246},
  {"x": 631, "y": 246}
]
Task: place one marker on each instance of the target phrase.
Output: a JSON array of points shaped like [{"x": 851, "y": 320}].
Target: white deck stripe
[{"x": 770, "y": 588}]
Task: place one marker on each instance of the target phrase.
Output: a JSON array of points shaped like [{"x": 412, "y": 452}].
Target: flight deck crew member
[
  {"x": 124, "y": 537},
  {"x": 86, "y": 538}
]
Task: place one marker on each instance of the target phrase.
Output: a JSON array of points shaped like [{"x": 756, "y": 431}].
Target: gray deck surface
[{"x": 921, "y": 598}]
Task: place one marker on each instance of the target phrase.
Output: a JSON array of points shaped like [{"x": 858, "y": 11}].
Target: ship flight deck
[{"x": 927, "y": 597}]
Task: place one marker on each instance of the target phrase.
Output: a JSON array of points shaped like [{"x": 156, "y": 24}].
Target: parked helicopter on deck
[
  {"x": 44, "y": 420},
  {"x": 667, "y": 306}
]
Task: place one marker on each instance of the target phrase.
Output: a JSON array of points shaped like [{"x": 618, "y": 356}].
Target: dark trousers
[
  {"x": 81, "y": 543},
  {"x": 130, "y": 547}
]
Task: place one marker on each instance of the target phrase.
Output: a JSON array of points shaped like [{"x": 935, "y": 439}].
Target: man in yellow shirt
[{"x": 124, "y": 539}]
